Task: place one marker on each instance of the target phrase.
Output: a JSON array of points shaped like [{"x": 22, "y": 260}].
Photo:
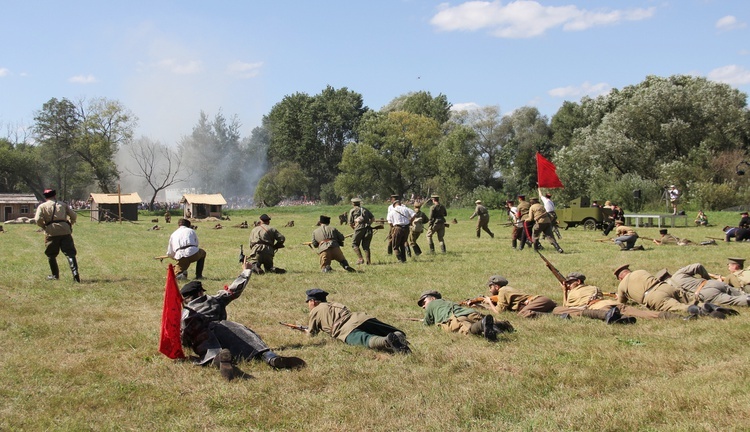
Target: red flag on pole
[
  {"x": 169, "y": 343},
  {"x": 546, "y": 173}
]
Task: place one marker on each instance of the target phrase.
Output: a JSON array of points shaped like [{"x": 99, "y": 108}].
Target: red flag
[
  {"x": 169, "y": 343},
  {"x": 546, "y": 173}
]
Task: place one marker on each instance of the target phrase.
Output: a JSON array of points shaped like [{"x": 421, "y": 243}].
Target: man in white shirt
[
  {"x": 400, "y": 217},
  {"x": 183, "y": 247},
  {"x": 674, "y": 198}
]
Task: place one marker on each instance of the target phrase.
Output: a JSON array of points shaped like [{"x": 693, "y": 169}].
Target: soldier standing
[
  {"x": 483, "y": 220},
  {"x": 329, "y": 240},
  {"x": 417, "y": 227},
  {"x": 542, "y": 225},
  {"x": 57, "y": 219},
  {"x": 360, "y": 219},
  {"x": 264, "y": 241},
  {"x": 400, "y": 218},
  {"x": 523, "y": 214},
  {"x": 437, "y": 223}
]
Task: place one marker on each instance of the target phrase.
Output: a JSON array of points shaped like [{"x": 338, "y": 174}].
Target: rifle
[
  {"x": 603, "y": 240},
  {"x": 645, "y": 238},
  {"x": 161, "y": 258},
  {"x": 610, "y": 294},
  {"x": 348, "y": 235},
  {"x": 295, "y": 326},
  {"x": 242, "y": 255},
  {"x": 478, "y": 300},
  {"x": 557, "y": 275},
  {"x": 715, "y": 238},
  {"x": 377, "y": 227},
  {"x": 308, "y": 244},
  {"x": 412, "y": 319}
]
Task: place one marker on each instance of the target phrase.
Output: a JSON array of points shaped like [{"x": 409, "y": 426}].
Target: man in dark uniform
[
  {"x": 264, "y": 241},
  {"x": 329, "y": 240},
  {"x": 417, "y": 227},
  {"x": 206, "y": 330},
  {"x": 353, "y": 328},
  {"x": 360, "y": 219},
  {"x": 437, "y": 223},
  {"x": 57, "y": 219}
]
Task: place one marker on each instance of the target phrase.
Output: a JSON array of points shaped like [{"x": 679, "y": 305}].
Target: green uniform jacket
[
  {"x": 438, "y": 214},
  {"x": 356, "y": 212},
  {"x": 440, "y": 311},
  {"x": 265, "y": 238},
  {"x": 325, "y": 237},
  {"x": 336, "y": 320}
]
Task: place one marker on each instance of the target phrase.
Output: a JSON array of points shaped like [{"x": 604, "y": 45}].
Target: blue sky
[{"x": 168, "y": 60}]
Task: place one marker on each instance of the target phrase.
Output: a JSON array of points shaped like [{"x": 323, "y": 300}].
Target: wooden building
[
  {"x": 106, "y": 206},
  {"x": 201, "y": 206},
  {"x": 17, "y": 205}
]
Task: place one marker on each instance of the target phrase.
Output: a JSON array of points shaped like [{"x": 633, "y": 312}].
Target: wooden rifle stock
[
  {"x": 161, "y": 258},
  {"x": 478, "y": 300},
  {"x": 294, "y": 326},
  {"x": 557, "y": 275},
  {"x": 308, "y": 244}
]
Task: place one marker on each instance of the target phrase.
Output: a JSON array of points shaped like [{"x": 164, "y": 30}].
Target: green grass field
[{"x": 84, "y": 357}]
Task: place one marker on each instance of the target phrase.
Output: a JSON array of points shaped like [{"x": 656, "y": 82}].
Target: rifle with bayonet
[
  {"x": 559, "y": 276},
  {"x": 295, "y": 326}
]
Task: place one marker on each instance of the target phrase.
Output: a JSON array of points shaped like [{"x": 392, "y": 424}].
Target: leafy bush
[{"x": 712, "y": 196}]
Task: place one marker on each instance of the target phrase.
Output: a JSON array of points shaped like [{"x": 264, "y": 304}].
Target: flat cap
[
  {"x": 478, "y": 202},
  {"x": 191, "y": 288},
  {"x": 428, "y": 294},
  {"x": 497, "y": 280},
  {"x": 575, "y": 276},
  {"x": 316, "y": 294},
  {"x": 325, "y": 219},
  {"x": 621, "y": 268},
  {"x": 663, "y": 231},
  {"x": 437, "y": 197},
  {"x": 356, "y": 200},
  {"x": 265, "y": 218},
  {"x": 49, "y": 193}
]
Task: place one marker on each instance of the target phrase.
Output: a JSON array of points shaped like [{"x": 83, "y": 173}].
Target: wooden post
[{"x": 119, "y": 204}]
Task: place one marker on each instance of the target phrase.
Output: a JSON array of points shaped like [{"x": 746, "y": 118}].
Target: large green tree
[
  {"x": 524, "y": 132},
  {"x": 396, "y": 154},
  {"x": 87, "y": 134},
  {"x": 423, "y": 103},
  {"x": 487, "y": 141},
  {"x": 312, "y": 131}
]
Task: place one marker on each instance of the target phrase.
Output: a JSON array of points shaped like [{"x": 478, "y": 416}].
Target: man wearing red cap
[{"x": 57, "y": 219}]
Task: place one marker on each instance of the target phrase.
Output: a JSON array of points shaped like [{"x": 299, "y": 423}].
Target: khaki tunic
[
  {"x": 437, "y": 222},
  {"x": 590, "y": 297},
  {"x": 538, "y": 214},
  {"x": 55, "y": 218},
  {"x": 641, "y": 287},
  {"x": 264, "y": 240},
  {"x": 739, "y": 279},
  {"x": 328, "y": 240},
  {"x": 526, "y": 305},
  {"x": 335, "y": 319}
]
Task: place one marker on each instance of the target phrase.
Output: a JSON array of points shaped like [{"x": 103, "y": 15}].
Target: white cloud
[
  {"x": 465, "y": 106},
  {"x": 244, "y": 70},
  {"x": 527, "y": 18},
  {"x": 4, "y": 72},
  {"x": 585, "y": 89},
  {"x": 731, "y": 74},
  {"x": 729, "y": 22},
  {"x": 189, "y": 67},
  {"x": 82, "y": 79}
]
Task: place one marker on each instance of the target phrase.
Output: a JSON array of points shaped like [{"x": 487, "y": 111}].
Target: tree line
[{"x": 681, "y": 130}]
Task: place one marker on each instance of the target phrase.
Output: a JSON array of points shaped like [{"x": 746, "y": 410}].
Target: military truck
[{"x": 580, "y": 212}]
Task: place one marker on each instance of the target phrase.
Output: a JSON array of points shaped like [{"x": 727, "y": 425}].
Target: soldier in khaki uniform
[
  {"x": 264, "y": 241},
  {"x": 697, "y": 285},
  {"x": 455, "y": 318},
  {"x": 625, "y": 237},
  {"x": 738, "y": 277},
  {"x": 641, "y": 287},
  {"x": 352, "y": 328},
  {"x": 329, "y": 240},
  {"x": 542, "y": 223},
  {"x": 438, "y": 214},
  {"x": 360, "y": 219},
  {"x": 668, "y": 239},
  {"x": 483, "y": 219},
  {"x": 589, "y": 301},
  {"x": 522, "y": 214},
  {"x": 505, "y": 298},
  {"x": 57, "y": 219}
]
